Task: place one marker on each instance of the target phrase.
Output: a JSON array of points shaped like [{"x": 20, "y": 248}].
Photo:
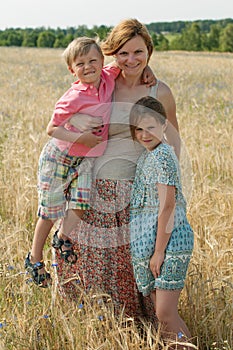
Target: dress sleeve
[{"x": 165, "y": 167}]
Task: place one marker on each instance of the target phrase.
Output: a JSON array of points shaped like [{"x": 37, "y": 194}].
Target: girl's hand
[
  {"x": 148, "y": 77},
  {"x": 85, "y": 122},
  {"x": 89, "y": 139},
  {"x": 156, "y": 262}
]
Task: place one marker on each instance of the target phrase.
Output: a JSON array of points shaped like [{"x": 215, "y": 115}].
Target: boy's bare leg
[
  {"x": 72, "y": 219},
  {"x": 41, "y": 233},
  {"x": 43, "y": 227},
  {"x": 62, "y": 240}
]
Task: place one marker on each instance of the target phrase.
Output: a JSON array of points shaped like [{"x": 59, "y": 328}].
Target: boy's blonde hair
[{"x": 79, "y": 47}]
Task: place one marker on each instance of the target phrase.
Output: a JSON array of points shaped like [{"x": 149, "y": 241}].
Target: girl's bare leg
[{"x": 172, "y": 325}]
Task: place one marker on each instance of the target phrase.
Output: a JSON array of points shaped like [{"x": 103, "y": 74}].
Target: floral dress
[
  {"x": 158, "y": 166},
  {"x": 102, "y": 240}
]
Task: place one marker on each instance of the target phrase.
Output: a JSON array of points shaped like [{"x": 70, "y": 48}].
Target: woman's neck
[
  {"x": 129, "y": 89},
  {"x": 129, "y": 81}
]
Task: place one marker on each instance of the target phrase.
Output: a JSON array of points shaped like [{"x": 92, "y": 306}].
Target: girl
[{"x": 161, "y": 236}]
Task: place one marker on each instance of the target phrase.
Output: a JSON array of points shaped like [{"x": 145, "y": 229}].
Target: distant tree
[
  {"x": 67, "y": 39},
  {"x": 226, "y": 38},
  {"x": 29, "y": 38},
  {"x": 96, "y": 32},
  {"x": 191, "y": 38},
  {"x": 172, "y": 27},
  {"x": 80, "y": 31},
  {"x": 16, "y": 38},
  {"x": 176, "y": 43},
  {"x": 13, "y": 37},
  {"x": 60, "y": 40},
  {"x": 72, "y": 30},
  {"x": 101, "y": 31},
  {"x": 163, "y": 43},
  {"x": 3, "y": 38},
  {"x": 154, "y": 39},
  {"x": 205, "y": 41},
  {"x": 46, "y": 39},
  {"x": 213, "y": 37}
]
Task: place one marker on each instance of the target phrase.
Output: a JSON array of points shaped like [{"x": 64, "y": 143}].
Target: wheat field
[{"x": 31, "y": 80}]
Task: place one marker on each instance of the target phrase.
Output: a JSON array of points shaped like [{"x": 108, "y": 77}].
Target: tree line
[{"x": 202, "y": 35}]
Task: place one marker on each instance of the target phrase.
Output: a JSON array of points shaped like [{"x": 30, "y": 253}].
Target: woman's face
[{"x": 132, "y": 57}]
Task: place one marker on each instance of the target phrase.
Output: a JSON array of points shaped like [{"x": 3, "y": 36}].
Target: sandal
[
  {"x": 33, "y": 269},
  {"x": 65, "y": 254}
]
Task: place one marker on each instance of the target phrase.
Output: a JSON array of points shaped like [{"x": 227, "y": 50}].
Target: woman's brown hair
[{"x": 123, "y": 32}]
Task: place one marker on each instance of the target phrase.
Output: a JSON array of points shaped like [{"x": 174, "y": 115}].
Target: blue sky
[{"x": 72, "y": 13}]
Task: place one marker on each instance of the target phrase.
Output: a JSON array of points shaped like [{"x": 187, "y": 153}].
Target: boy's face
[
  {"x": 87, "y": 68},
  {"x": 149, "y": 132}
]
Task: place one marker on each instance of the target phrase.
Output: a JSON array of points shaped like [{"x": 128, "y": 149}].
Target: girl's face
[
  {"x": 132, "y": 57},
  {"x": 88, "y": 68},
  {"x": 149, "y": 132}
]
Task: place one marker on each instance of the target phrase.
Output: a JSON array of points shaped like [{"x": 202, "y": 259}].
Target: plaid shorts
[{"x": 64, "y": 182}]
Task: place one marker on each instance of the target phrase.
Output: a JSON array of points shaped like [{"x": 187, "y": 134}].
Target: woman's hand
[
  {"x": 156, "y": 262},
  {"x": 148, "y": 77},
  {"x": 85, "y": 122}
]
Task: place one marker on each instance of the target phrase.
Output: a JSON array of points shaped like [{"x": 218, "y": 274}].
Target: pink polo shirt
[{"x": 86, "y": 99}]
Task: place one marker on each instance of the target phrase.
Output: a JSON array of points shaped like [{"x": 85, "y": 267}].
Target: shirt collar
[{"x": 77, "y": 85}]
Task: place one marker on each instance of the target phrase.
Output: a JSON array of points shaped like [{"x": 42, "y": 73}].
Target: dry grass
[{"x": 31, "y": 80}]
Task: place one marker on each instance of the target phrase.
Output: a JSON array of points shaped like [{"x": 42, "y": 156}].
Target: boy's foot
[
  {"x": 66, "y": 249},
  {"x": 38, "y": 273}
]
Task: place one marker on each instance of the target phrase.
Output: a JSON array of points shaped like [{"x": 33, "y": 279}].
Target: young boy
[{"x": 64, "y": 175}]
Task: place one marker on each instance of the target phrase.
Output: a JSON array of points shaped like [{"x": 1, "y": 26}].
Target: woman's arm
[
  {"x": 85, "y": 122},
  {"x": 165, "y": 226},
  {"x": 166, "y": 97}
]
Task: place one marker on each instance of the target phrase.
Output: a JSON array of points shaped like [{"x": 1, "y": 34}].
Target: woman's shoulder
[
  {"x": 163, "y": 93},
  {"x": 163, "y": 89}
]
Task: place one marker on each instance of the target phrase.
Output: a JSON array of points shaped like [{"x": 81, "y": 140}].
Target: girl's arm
[{"x": 165, "y": 226}]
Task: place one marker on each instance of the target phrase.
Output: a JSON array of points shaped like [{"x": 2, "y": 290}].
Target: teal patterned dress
[{"x": 158, "y": 166}]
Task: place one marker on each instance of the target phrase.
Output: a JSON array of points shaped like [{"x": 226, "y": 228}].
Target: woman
[{"x": 102, "y": 241}]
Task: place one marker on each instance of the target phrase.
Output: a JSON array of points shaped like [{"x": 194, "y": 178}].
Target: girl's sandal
[
  {"x": 65, "y": 254},
  {"x": 33, "y": 269}
]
